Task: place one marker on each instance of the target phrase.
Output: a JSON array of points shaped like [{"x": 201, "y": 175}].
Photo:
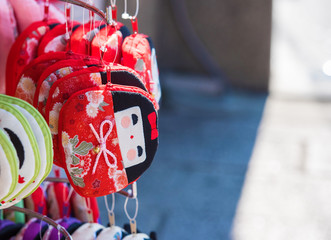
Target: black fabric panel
[
  {"x": 124, "y": 100},
  {"x": 151, "y": 45},
  {"x": 75, "y": 27},
  {"x": 98, "y": 232},
  {"x": 18, "y": 146},
  {"x": 10, "y": 231},
  {"x": 125, "y": 32},
  {"x": 51, "y": 26},
  {"x": 123, "y": 78}
]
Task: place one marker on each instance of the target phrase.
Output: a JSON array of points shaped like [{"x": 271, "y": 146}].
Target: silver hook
[{"x": 126, "y": 15}]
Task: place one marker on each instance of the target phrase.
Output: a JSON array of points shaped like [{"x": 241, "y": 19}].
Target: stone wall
[{"x": 236, "y": 33}]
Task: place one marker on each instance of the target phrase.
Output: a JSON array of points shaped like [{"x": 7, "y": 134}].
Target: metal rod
[
  {"x": 87, "y": 6},
  {"x": 42, "y": 218},
  {"x": 130, "y": 194}
]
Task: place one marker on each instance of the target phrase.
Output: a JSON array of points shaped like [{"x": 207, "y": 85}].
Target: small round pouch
[
  {"x": 139, "y": 54},
  {"x": 53, "y": 233},
  {"x": 55, "y": 39},
  {"x": 137, "y": 236},
  {"x": 61, "y": 90},
  {"x": 36, "y": 202},
  {"x": 87, "y": 231},
  {"x": 42, "y": 135},
  {"x": 81, "y": 38},
  {"x": 55, "y": 72},
  {"x": 23, "y": 51},
  {"x": 108, "y": 41},
  {"x": 17, "y": 127},
  {"x": 28, "y": 80},
  {"x": 108, "y": 138},
  {"x": 32, "y": 229},
  {"x": 71, "y": 83},
  {"x": 57, "y": 200},
  {"x": 9, "y": 229},
  {"x": 8, "y": 166},
  {"x": 113, "y": 232},
  {"x": 82, "y": 211}
]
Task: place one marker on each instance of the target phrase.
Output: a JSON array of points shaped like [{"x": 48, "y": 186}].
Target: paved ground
[{"x": 193, "y": 187}]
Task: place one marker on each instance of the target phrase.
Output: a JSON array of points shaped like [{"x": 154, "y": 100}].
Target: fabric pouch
[
  {"x": 23, "y": 51},
  {"x": 108, "y": 138},
  {"x": 57, "y": 200},
  {"x": 42, "y": 135},
  {"x": 62, "y": 89},
  {"x": 139, "y": 54},
  {"x": 81, "y": 38},
  {"x": 113, "y": 232},
  {"x": 8, "y": 166},
  {"x": 28, "y": 80},
  {"x": 87, "y": 231},
  {"x": 107, "y": 44},
  {"x": 17, "y": 127},
  {"x": 54, "y": 73},
  {"x": 55, "y": 39},
  {"x": 52, "y": 233}
]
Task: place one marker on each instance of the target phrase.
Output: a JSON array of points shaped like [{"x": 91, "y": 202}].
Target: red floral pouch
[
  {"x": 108, "y": 138},
  {"x": 23, "y": 51},
  {"x": 139, "y": 54},
  {"x": 81, "y": 38},
  {"x": 55, "y": 40},
  {"x": 55, "y": 72},
  {"x": 28, "y": 80},
  {"x": 108, "y": 42}
]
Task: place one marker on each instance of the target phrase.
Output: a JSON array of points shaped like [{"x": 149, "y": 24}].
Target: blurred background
[{"x": 244, "y": 123}]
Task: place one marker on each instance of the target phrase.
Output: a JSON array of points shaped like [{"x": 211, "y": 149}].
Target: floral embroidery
[
  {"x": 62, "y": 72},
  {"x": 56, "y": 92},
  {"x": 43, "y": 92},
  {"x": 95, "y": 77},
  {"x": 92, "y": 110},
  {"x": 112, "y": 41},
  {"x": 57, "y": 44},
  {"x": 119, "y": 178},
  {"x": 54, "y": 118},
  {"x": 32, "y": 46},
  {"x": 71, "y": 150},
  {"x": 96, "y": 103},
  {"x": 25, "y": 89}
]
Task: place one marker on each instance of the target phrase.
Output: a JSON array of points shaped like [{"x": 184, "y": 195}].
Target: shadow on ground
[{"x": 192, "y": 189}]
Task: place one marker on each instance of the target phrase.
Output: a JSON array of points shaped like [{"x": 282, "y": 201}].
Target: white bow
[{"x": 103, "y": 148}]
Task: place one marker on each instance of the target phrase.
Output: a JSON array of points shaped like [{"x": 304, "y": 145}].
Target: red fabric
[
  {"x": 111, "y": 39},
  {"x": 52, "y": 74},
  {"x": 82, "y": 109},
  {"x": 54, "y": 40},
  {"x": 136, "y": 54},
  {"x": 60, "y": 91},
  {"x": 57, "y": 200},
  {"x": 22, "y": 52},
  {"x": 39, "y": 201},
  {"x": 27, "y": 82},
  {"x": 82, "y": 37}
]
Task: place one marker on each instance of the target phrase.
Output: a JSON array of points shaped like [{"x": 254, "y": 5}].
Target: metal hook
[{"x": 126, "y": 15}]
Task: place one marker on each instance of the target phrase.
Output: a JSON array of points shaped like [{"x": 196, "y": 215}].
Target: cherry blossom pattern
[
  {"x": 25, "y": 89},
  {"x": 54, "y": 117},
  {"x": 96, "y": 103},
  {"x": 72, "y": 149}
]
